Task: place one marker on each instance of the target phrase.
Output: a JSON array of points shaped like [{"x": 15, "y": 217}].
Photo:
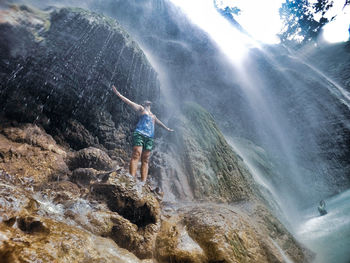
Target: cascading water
[
  {"x": 267, "y": 99},
  {"x": 292, "y": 108}
]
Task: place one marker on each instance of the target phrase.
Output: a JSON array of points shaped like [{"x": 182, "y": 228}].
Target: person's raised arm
[
  {"x": 163, "y": 125},
  {"x": 134, "y": 105}
]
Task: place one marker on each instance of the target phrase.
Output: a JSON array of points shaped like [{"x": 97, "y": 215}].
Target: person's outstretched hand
[
  {"x": 115, "y": 90},
  {"x": 171, "y": 130}
]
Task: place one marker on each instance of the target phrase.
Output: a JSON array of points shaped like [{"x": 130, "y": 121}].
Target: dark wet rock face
[
  {"x": 31, "y": 225},
  {"x": 56, "y": 71},
  {"x": 125, "y": 202},
  {"x": 57, "y": 68}
]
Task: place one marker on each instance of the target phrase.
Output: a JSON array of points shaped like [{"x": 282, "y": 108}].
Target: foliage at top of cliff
[{"x": 303, "y": 20}]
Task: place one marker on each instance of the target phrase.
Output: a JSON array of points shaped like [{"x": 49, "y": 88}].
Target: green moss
[
  {"x": 211, "y": 162},
  {"x": 38, "y": 14}
]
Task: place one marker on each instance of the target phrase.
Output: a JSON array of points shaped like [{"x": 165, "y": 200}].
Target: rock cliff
[
  {"x": 204, "y": 166},
  {"x": 57, "y": 67}
]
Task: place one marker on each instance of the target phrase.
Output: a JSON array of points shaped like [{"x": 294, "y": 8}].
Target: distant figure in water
[
  {"x": 322, "y": 208},
  {"x": 142, "y": 136}
]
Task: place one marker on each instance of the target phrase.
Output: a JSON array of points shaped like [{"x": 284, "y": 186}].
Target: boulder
[
  {"x": 83, "y": 176},
  {"x": 214, "y": 233},
  {"x": 28, "y": 151},
  {"x": 136, "y": 230},
  {"x": 45, "y": 240},
  {"x": 91, "y": 158},
  {"x": 55, "y": 225},
  {"x": 174, "y": 244}
]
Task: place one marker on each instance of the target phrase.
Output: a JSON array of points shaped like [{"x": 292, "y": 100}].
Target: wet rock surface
[
  {"x": 91, "y": 158},
  {"x": 106, "y": 204},
  {"x": 43, "y": 226},
  {"x": 333, "y": 59},
  {"x": 57, "y": 67},
  {"x": 213, "y": 233},
  {"x": 139, "y": 208},
  {"x": 58, "y": 213},
  {"x": 27, "y": 150},
  {"x": 207, "y": 168},
  {"x": 196, "y": 70}
]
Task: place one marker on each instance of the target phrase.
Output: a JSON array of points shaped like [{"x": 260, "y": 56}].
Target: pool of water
[{"x": 329, "y": 235}]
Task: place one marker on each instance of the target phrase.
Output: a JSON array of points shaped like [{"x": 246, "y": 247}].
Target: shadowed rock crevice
[
  {"x": 136, "y": 210},
  {"x": 31, "y": 225}
]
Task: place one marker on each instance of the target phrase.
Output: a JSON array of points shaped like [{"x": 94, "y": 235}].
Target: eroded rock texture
[
  {"x": 44, "y": 228},
  {"x": 213, "y": 233},
  {"x": 57, "y": 68},
  {"x": 39, "y": 194},
  {"x": 204, "y": 166}
]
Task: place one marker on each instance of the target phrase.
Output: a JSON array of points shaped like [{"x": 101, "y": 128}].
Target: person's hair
[{"x": 146, "y": 103}]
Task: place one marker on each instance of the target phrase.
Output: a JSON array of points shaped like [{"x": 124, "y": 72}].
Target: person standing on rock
[{"x": 142, "y": 136}]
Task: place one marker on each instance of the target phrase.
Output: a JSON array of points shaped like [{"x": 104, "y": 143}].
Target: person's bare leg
[
  {"x": 144, "y": 164},
  {"x": 135, "y": 157}
]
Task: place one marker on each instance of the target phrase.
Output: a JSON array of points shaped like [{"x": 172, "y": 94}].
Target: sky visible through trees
[{"x": 301, "y": 21}]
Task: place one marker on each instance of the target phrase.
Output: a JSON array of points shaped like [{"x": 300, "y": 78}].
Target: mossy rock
[{"x": 214, "y": 170}]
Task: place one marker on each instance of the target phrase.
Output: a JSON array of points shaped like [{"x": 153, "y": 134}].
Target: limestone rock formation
[
  {"x": 214, "y": 172},
  {"x": 103, "y": 203},
  {"x": 139, "y": 207},
  {"x": 28, "y": 151},
  {"x": 91, "y": 158},
  {"x": 207, "y": 167},
  {"x": 57, "y": 67},
  {"x": 296, "y": 95},
  {"x": 33, "y": 230},
  {"x": 213, "y": 233}
]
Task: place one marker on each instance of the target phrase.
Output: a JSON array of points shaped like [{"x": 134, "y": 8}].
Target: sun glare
[
  {"x": 203, "y": 14},
  {"x": 259, "y": 18},
  {"x": 337, "y": 30}
]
